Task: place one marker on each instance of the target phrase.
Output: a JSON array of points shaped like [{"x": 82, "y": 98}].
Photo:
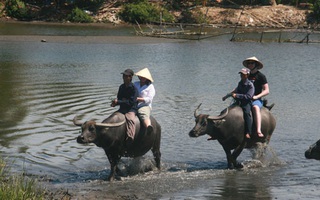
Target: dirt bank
[{"x": 280, "y": 16}]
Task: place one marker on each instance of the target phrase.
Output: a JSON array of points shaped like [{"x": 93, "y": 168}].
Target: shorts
[
  {"x": 258, "y": 103},
  {"x": 144, "y": 112}
]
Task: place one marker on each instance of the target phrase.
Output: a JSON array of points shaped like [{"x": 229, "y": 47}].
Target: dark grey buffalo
[
  {"x": 314, "y": 151},
  {"x": 228, "y": 129},
  {"x": 112, "y": 137}
]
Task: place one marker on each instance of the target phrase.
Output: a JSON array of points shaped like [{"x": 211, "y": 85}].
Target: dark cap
[
  {"x": 244, "y": 71},
  {"x": 128, "y": 72}
]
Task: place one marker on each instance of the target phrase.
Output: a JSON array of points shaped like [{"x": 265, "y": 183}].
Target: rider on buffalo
[
  {"x": 261, "y": 87},
  {"x": 127, "y": 99},
  {"x": 243, "y": 94}
]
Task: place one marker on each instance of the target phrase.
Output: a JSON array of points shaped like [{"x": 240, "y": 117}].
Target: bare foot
[
  {"x": 247, "y": 136},
  {"x": 260, "y": 135}
]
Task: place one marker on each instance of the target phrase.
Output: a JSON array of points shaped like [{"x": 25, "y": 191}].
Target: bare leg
[{"x": 257, "y": 116}]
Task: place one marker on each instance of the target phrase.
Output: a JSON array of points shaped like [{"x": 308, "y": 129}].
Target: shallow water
[{"x": 44, "y": 85}]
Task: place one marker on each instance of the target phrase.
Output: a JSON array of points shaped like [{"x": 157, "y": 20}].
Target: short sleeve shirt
[{"x": 258, "y": 79}]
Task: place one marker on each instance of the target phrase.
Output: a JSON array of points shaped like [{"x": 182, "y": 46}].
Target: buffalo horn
[
  {"x": 111, "y": 124},
  {"x": 196, "y": 110},
  {"x": 76, "y": 121},
  {"x": 221, "y": 116}
]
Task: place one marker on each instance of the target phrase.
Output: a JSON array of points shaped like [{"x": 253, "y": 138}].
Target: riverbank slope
[{"x": 280, "y": 16}]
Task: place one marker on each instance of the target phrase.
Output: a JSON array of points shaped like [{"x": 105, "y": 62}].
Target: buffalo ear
[{"x": 218, "y": 123}]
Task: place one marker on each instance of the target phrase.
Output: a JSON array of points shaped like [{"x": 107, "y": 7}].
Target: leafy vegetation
[
  {"x": 78, "y": 15},
  {"x": 142, "y": 11},
  {"x": 18, "y": 186},
  {"x": 132, "y": 11},
  {"x": 314, "y": 16},
  {"x": 17, "y": 9}
]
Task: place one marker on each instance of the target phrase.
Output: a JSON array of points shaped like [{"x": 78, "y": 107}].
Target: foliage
[
  {"x": 78, "y": 15},
  {"x": 183, "y": 4},
  {"x": 195, "y": 17},
  {"x": 142, "y": 11},
  {"x": 17, "y": 186},
  {"x": 248, "y": 2},
  {"x": 314, "y": 16},
  {"x": 17, "y": 9}
]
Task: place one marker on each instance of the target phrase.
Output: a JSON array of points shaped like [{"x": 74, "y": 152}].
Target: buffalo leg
[
  {"x": 236, "y": 152},
  {"x": 113, "y": 160},
  {"x": 157, "y": 154},
  {"x": 229, "y": 158},
  {"x": 156, "y": 147}
]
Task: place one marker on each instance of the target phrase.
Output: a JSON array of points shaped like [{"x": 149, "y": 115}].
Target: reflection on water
[
  {"x": 38, "y": 28},
  {"x": 44, "y": 85},
  {"x": 12, "y": 109}
]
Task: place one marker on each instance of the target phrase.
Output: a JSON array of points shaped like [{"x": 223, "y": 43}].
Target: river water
[{"x": 43, "y": 85}]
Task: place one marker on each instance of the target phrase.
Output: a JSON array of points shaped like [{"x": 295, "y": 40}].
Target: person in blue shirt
[
  {"x": 243, "y": 94},
  {"x": 127, "y": 100}
]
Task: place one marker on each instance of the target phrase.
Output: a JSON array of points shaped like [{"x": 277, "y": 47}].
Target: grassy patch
[{"x": 18, "y": 186}]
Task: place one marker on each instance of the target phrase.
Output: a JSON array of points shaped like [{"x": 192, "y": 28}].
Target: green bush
[
  {"x": 195, "y": 17},
  {"x": 142, "y": 11},
  {"x": 78, "y": 15},
  {"x": 314, "y": 16},
  {"x": 17, "y": 9}
]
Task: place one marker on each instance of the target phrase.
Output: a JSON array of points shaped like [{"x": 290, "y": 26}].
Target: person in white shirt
[{"x": 146, "y": 92}]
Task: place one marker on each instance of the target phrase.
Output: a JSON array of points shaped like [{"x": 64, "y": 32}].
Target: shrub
[
  {"x": 17, "y": 9},
  {"x": 143, "y": 12},
  {"x": 78, "y": 15},
  {"x": 195, "y": 17},
  {"x": 314, "y": 16}
]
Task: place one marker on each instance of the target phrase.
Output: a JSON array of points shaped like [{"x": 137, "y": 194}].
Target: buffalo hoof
[
  {"x": 239, "y": 165},
  {"x": 231, "y": 166}
]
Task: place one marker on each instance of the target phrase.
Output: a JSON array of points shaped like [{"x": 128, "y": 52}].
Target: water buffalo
[
  {"x": 314, "y": 151},
  {"x": 228, "y": 129},
  {"x": 111, "y": 136}
]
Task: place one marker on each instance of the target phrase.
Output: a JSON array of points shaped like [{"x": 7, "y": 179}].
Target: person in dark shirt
[
  {"x": 261, "y": 86},
  {"x": 243, "y": 94},
  {"x": 127, "y": 100}
]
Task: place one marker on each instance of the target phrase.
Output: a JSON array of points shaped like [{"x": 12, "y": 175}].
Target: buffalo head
[
  {"x": 205, "y": 123},
  {"x": 91, "y": 129},
  {"x": 314, "y": 151}
]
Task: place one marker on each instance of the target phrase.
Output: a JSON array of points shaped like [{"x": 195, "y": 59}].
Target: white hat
[
  {"x": 259, "y": 64},
  {"x": 244, "y": 71},
  {"x": 145, "y": 73}
]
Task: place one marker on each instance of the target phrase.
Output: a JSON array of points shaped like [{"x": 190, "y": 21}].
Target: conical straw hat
[
  {"x": 245, "y": 62},
  {"x": 145, "y": 73}
]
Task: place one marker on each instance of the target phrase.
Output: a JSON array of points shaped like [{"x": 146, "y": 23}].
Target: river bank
[{"x": 280, "y": 16}]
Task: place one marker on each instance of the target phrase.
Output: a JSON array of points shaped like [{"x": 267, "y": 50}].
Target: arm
[
  {"x": 229, "y": 94},
  {"x": 247, "y": 96},
  {"x": 114, "y": 102},
  {"x": 148, "y": 94},
  {"x": 265, "y": 92},
  {"x": 132, "y": 97}
]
